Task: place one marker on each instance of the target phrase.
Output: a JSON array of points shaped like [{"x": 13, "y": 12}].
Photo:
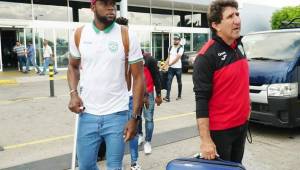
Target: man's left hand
[{"x": 130, "y": 130}]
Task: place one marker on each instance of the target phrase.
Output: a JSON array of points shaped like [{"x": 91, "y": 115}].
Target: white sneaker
[
  {"x": 135, "y": 167},
  {"x": 140, "y": 140},
  {"x": 147, "y": 148}
]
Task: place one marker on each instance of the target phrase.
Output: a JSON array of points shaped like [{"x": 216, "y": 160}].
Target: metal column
[{"x": 124, "y": 8}]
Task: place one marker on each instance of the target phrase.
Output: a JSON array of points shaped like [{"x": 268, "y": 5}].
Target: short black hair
[
  {"x": 216, "y": 9},
  {"x": 122, "y": 21}
]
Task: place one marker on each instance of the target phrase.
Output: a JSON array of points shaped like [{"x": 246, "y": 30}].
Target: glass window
[
  {"x": 62, "y": 48},
  {"x": 139, "y": 18},
  {"x": 196, "y": 20},
  {"x": 40, "y": 35},
  {"x": 28, "y": 33},
  {"x": 183, "y": 19},
  {"x": 272, "y": 46},
  {"x": 51, "y": 12},
  {"x": 157, "y": 46},
  {"x": 86, "y": 15},
  {"x": 144, "y": 39},
  {"x": 187, "y": 42},
  {"x": 162, "y": 19},
  {"x": 160, "y": 45},
  {"x": 162, "y": 14},
  {"x": 12, "y": 10},
  {"x": 199, "y": 39},
  {"x": 183, "y": 14}
]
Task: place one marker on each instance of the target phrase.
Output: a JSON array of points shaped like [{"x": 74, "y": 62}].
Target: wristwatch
[{"x": 136, "y": 117}]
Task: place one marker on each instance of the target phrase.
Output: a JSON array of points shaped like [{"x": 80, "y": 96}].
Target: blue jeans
[
  {"x": 171, "y": 73},
  {"x": 47, "y": 62},
  {"x": 148, "y": 115},
  {"x": 22, "y": 62},
  {"x": 92, "y": 131},
  {"x": 133, "y": 143},
  {"x": 31, "y": 60}
]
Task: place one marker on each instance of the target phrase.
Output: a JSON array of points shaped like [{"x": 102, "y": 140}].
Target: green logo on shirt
[{"x": 113, "y": 46}]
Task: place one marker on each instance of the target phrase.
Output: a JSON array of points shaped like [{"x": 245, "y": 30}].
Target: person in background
[
  {"x": 174, "y": 65},
  {"x": 48, "y": 57},
  {"x": 20, "y": 50},
  {"x": 31, "y": 58},
  {"x": 133, "y": 143},
  {"x": 152, "y": 78}
]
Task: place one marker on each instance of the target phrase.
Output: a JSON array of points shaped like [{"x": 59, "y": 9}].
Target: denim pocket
[{"x": 121, "y": 113}]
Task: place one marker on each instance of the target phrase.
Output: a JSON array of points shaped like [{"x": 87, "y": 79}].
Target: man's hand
[
  {"x": 130, "y": 129},
  {"x": 146, "y": 102},
  {"x": 158, "y": 100},
  {"x": 75, "y": 104},
  {"x": 208, "y": 149}
]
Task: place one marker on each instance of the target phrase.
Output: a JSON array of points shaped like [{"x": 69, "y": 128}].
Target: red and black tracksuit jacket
[
  {"x": 151, "y": 73},
  {"x": 221, "y": 84}
]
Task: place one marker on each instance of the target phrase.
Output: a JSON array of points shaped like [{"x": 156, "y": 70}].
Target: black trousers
[{"x": 230, "y": 143}]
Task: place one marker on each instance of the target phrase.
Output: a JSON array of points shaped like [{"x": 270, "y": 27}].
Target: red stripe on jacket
[
  {"x": 206, "y": 47},
  {"x": 227, "y": 103}
]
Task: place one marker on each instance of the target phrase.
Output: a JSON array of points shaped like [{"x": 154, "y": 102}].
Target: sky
[{"x": 273, "y": 3}]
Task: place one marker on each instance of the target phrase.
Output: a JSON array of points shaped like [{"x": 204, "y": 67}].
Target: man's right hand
[
  {"x": 208, "y": 149},
  {"x": 76, "y": 104},
  {"x": 158, "y": 100}
]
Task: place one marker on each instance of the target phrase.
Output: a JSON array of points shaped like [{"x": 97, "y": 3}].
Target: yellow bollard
[{"x": 51, "y": 79}]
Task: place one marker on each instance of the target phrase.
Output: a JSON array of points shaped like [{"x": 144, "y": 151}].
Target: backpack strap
[
  {"x": 77, "y": 36},
  {"x": 125, "y": 40},
  {"x": 179, "y": 48}
]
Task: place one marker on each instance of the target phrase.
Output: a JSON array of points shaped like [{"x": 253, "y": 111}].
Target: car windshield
[{"x": 279, "y": 46}]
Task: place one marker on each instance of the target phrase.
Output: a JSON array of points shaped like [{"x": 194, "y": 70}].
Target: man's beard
[{"x": 104, "y": 19}]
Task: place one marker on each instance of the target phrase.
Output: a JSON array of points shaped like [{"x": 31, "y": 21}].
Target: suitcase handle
[{"x": 199, "y": 156}]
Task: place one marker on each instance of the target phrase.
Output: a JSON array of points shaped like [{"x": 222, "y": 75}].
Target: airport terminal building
[{"x": 154, "y": 21}]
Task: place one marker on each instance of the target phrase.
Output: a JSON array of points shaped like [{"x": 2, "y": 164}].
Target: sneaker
[
  {"x": 140, "y": 140},
  {"x": 42, "y": 74},
  {"x": 147, "y": 148},
  {"x": 166, "y": 99},
  {"x": 135, "y": 166},
  {"x": 55, "y": 72},
  {"x": 178, "y": 98}
]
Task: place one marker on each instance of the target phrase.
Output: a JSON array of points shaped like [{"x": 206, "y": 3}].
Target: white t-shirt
[
  {"x": 173, "y": 54},
  {"x": 47, "y": 51},
  {"x": 102, "y": 79}
]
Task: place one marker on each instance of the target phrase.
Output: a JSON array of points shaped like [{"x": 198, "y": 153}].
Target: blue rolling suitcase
[{"x": 202, "y": 164}]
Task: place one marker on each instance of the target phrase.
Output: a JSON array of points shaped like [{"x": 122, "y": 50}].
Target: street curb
[
  {"x": 8, "y": 81},
  {"x": 63, "y": 162}
]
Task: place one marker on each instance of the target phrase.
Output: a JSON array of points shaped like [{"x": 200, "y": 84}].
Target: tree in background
[{"x": 285, "y": 14}]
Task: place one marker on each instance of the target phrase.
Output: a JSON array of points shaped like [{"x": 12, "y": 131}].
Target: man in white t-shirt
[
  {"x": 175, "y": 67},
  {"x": 103, "y": 101},
  {"x": 48, "y": 57}
]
